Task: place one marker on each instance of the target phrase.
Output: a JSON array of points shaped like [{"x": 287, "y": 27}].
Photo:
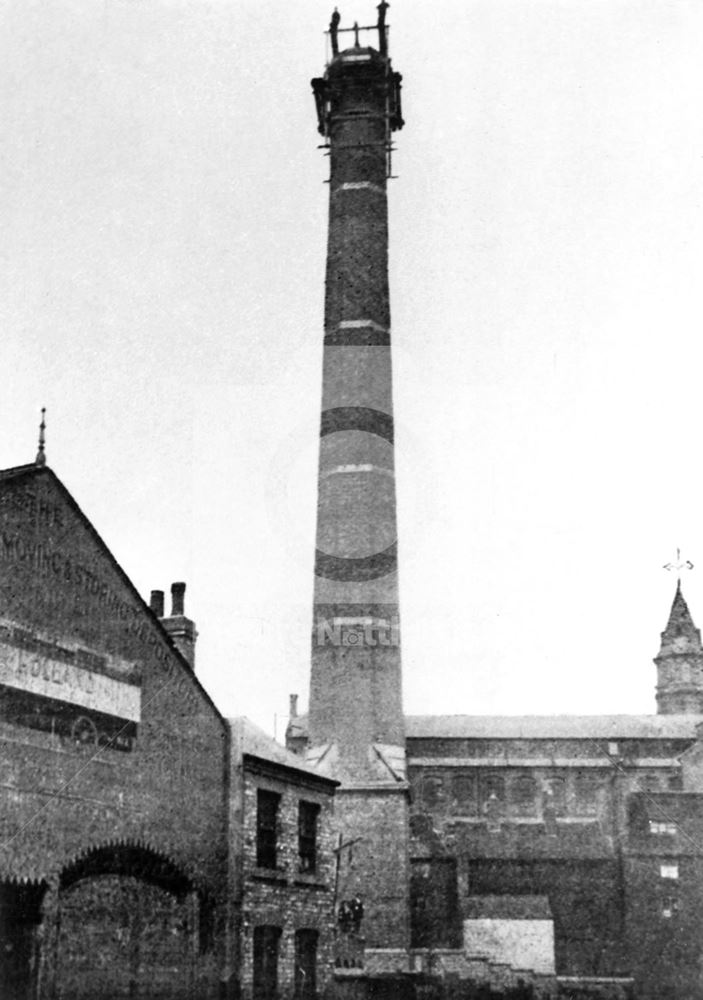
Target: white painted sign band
[{"x": 49, "y": 678}]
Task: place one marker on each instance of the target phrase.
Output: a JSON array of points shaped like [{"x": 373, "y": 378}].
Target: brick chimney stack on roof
[
  {"x": 181, "y": 629},
  {"x": 157, "y": 603}
]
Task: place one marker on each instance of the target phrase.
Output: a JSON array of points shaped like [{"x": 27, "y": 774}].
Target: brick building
[
  {"x": 284, "y": 875},
  {"x": 598, "y": 817},
  {"x": 147, "y": 847},
  {"x": 106, "y": 880},
  {"x": 519, "y": 852},
  {"x": 663, "y": 878}
]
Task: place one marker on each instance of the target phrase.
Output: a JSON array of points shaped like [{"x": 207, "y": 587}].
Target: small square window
[
  {"x": 669, "y": 869},
  {"x": 648, "y": 783},
  {"x": 659, "y": 828},
  {"x": 613, "y": 748},
  {"x": 670, "y": 907}
]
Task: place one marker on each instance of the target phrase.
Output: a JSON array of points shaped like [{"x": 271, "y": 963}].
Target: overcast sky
[{"x": 164, "y": 226}]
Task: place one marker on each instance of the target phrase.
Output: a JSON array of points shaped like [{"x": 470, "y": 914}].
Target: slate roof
[
  {"x": 546, "y": 727},
  {"x": 19, "y": 470},
  {"x": 249, "y": 739},
  {"x": 680, "y": 620},
  {"x": 677, "y": 727}
]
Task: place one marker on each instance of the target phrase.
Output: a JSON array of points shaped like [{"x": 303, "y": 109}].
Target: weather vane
[{"x": 679, "y": 564}]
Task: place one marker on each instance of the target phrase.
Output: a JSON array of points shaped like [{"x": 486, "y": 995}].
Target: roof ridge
[{"x": 16, "y": 470}]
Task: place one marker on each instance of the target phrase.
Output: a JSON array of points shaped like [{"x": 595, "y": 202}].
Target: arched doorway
[{"x": 126, "y": 927}]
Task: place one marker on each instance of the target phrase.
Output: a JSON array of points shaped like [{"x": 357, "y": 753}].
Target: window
[
  {"x": 648, "y": 783},
  {"x": 525, "y": 796},
  {"x": 432, "y": 790},
  {"x": 464, "y": 789},
  {"x": 669, "y": 869},
  {"x": 670, "y": 907},
  {"x": 492, "y": 785},
  {"x": 492, "y": 799},
  {"x": 266, "y": 941},
  {"x": 308, "y": 813},
  {"x": 659, "y": 828},
  {"x": 613, "y": 748},
  {"x": 305, "y": 964},
  {"x": 675, "y": 782},
  {"x": 555, "y": 796},
  {"x": 266, "y": 827},
  {"x": 587, "y": 788}
]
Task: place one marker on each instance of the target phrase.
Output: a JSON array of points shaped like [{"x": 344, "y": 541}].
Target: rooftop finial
[
  {"x": 356, "y": 34},
  {"x": 334, "y": 25},
  {"x": 41, "y": 456}
]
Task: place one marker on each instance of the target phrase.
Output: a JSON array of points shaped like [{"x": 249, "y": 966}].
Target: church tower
[
  {"x": 356, "y": 731},
  {"x": 680, "y": 663}
]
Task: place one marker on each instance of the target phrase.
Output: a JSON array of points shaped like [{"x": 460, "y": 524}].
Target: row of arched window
[{"x": 467, "y": 792}]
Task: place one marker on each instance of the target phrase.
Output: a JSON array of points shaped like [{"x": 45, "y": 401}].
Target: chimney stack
[
  {"x": 181, "y": 629},
  {"x": 157, "y": 603},
  {"x": 293, "y": 713},
  {"x": 355, "y": 721},
  {"x": 178, "y": 593}
]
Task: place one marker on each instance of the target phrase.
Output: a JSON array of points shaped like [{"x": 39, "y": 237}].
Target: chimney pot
[
  {"x": 178, "y": 591},
  {"x": 293, "y": 706},
  {"x": 157, "y": 603}
]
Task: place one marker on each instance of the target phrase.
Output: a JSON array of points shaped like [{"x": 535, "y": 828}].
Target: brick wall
[
  {"x": 283, "y": 897},
  {"x": 63, "y": 794},
  {"x": 585, "y": 898},
  {"x": 376, "y": 866},
  {"x": 664, "y": 894}
]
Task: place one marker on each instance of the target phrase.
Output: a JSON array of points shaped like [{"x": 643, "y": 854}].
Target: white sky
[{"x": 162, "y": 264}]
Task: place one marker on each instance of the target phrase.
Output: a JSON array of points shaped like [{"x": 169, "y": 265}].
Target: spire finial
[
  {"x": 678, "y": 565},
  {"x": 41, "y": 454}
]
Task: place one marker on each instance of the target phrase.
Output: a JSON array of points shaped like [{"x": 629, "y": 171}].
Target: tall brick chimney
[
  {"x": 356, "y": 731},
  {"x": 181, "y": 629}
]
